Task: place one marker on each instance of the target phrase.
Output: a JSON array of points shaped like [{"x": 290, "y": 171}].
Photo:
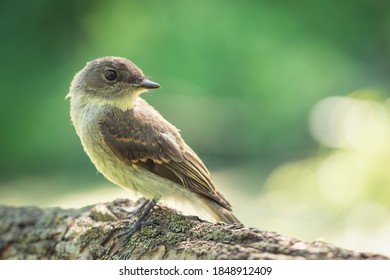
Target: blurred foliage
[{"x": 241, "y": 79}]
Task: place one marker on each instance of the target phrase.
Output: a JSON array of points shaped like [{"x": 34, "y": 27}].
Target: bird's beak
[{"x": 145, "y": 83}]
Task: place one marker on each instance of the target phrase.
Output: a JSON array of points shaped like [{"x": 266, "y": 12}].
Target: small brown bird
[{"x": 132, "y": 145}]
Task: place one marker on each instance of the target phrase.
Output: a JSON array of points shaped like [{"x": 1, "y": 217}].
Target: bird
[{"x": 133, "y": 145}]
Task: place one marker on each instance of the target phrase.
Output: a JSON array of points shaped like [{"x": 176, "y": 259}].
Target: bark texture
[{"x": 91, "y": 233}]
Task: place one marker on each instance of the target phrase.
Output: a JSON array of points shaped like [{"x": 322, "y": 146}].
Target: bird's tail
[{"x": 220, "y": 213}]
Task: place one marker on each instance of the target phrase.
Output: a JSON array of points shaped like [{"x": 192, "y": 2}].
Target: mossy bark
[{"x": 91, "y": 233}]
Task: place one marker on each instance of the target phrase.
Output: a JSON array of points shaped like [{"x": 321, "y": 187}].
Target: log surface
[{"x": 91, "y": 233}]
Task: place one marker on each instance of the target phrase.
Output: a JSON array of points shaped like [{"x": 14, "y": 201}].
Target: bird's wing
[{"x": 142, "y": 137}]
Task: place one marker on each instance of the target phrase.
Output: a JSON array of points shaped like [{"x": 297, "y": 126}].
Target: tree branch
[{"x": 90, "y": 233}]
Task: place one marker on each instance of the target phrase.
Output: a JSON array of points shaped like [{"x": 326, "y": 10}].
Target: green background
[{"x": 243, "y": 80}]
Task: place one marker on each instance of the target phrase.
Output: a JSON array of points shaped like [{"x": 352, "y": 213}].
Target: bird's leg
[
  {"x": 138, "y": 209},
  {"x": 145, "y": 207}
]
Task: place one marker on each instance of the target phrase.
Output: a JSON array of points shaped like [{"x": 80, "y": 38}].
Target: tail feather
[{"x": 220, "y": 213}]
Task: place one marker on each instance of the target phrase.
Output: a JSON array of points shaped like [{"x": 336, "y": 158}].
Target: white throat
[{"x": 125, "y": 102}]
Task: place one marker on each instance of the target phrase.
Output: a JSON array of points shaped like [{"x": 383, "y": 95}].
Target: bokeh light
[{"x": 343, "y": 192}]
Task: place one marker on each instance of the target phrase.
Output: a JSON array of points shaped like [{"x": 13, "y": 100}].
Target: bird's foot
[{"x": 144, "y": 209}]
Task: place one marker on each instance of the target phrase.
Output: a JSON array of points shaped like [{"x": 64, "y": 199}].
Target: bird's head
[{"x": 111, "y": 81}]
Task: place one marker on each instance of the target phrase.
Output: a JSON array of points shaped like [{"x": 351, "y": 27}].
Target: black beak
[{"x": 145, "y": 83}]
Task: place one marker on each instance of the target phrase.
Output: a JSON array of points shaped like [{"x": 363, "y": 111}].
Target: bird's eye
[{"x": 110, "y": 75}]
